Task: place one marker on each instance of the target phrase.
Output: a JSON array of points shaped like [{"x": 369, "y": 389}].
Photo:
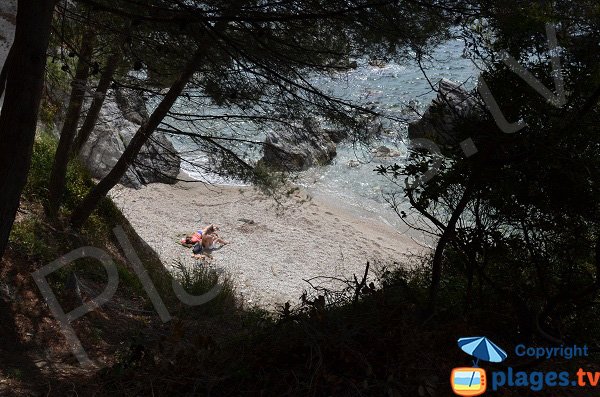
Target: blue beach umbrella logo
[{"x": 483, "y": 349}]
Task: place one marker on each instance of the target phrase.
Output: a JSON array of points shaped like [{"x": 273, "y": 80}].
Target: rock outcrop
[
  {"x": 307, "y": 146},
  {"x": 385, "y": 152},
  {"x": 439, "y": 121},
  {"x": 336, "y": 135},
  {"x": 297, "y": 151},
  {"x": 121, "y": 116},
  {"x": 311, "y": 145},
  {"x": 132, "y": 105}
]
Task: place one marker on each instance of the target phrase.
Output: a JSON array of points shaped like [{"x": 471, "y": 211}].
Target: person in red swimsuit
[{"x": 208, "y": 237}]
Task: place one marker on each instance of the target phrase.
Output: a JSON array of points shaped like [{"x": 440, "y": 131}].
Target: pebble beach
[{"x": 275, "y": 245}]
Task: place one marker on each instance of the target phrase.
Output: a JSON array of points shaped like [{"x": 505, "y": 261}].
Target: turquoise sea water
[{"x": 398, "y": 90}]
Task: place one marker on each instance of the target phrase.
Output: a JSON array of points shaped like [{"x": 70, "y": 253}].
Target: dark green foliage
[
  {"x": 200, "y": 280},
  {"x": 527, "y": 244},
  {"x": 30, "y": 237},
  {"x": 78, "y": 179},
  {"x": 381, "y": 345}
]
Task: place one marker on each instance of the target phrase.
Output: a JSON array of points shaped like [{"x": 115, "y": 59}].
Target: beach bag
[{"x": 197, "y": 249}]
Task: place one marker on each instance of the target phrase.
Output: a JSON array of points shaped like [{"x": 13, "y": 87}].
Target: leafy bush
[
  {"x": 200, "y": 280},
  {"x": 30, "y": 237},
  {"x": 41, "y": 165},
  {"x": 78, "y": 179}
]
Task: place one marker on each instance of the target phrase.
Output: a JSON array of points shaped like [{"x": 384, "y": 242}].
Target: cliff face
[
  {"x": 8, "y": 20},
  {"x": 121, "y": 116},
  {"x": 123, "y": 112}
]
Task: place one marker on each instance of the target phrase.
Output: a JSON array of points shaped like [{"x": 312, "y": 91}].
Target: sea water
[{"x": 402, "y": 91}]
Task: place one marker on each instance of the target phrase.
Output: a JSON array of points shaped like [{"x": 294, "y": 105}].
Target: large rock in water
[
  {"x": 439, "y": 121},
  {"x": 121, "y": 116},
  {"x": 301, "y": 148}
]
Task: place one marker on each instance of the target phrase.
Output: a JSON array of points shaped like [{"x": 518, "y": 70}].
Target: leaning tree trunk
[
  {"x": 91, "y": 201},
  {"x": 58, "y": 176},
  {"x": 24, "y": 83},
  {"x": 99, "y": 95},
  {"x": 445, "y": 238}
]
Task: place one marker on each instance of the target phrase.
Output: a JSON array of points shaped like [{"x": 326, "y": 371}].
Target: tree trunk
[
  {"x": 91, "y": 201},
  {"x": 94, "y": 111},
  {"x": 24, "y": 83},
  {"x": 445, "y": 238},
  {"x": 58, "y": 176}
]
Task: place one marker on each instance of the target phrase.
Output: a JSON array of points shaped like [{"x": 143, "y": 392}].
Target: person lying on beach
[
  {"x": 206, "y": 238},
  {"x": 195, "y": 238}
]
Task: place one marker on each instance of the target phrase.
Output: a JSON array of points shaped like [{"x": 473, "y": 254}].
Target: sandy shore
[{"x": 273, "y": 247}]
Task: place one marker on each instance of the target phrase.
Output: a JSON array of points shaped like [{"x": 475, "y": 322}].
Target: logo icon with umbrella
[
  {"x": 482, "y": 348},
  {"x": 471, "y": 381}
]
